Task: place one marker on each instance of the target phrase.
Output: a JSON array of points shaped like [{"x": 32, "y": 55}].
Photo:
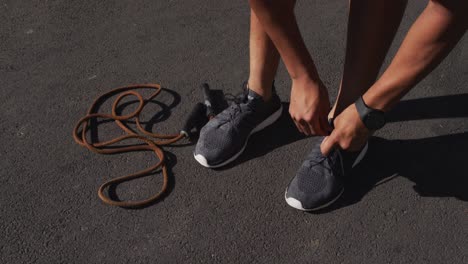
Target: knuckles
[
  {"x": 342, "y": 140},
  {"x": 299, "y": 117}
]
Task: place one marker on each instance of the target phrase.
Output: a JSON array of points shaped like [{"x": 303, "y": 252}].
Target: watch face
[{"x": 375, "y": 120}]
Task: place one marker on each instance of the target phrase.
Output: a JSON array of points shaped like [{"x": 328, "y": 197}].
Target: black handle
[{"x": 195, "y": 119}]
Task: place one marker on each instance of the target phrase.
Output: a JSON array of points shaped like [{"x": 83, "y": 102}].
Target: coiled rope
[{"x": 83, "y": 125}]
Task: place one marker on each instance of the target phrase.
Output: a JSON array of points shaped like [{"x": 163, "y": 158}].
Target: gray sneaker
[
  {"x": 319, "y": 181},
  {"x": 225, "y": 137}
]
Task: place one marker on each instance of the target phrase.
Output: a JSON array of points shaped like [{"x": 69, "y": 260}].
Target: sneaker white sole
[
  {"x": 298, "y": 205},
  {"x": 294, "y": 203},
  {"x": 268, "y": 121}
]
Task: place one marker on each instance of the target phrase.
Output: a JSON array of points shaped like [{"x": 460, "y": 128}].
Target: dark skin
[{"x": 372, "y": 26}]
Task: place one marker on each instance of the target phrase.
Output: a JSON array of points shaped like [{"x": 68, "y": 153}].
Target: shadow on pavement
[
  {"x": 448, "y": 106},
  {"x": 158, "y": 117},
  {"x": 436, "y": 165},
  {"x": 282, "y": 132}
]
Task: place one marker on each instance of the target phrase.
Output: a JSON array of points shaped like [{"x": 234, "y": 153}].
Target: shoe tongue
[
  {"x": 251, "y": 95},
  {"x": 316, "y": 151}
]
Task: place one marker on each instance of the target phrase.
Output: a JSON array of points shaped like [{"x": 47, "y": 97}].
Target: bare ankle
[{"x": 262, "y": 89}]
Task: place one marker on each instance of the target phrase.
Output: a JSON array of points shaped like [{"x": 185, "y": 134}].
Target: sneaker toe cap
[
  {"x": 213, "y": 146},
  {"x": 303, "y": 196},
  {"x": 207, "y": 156}
]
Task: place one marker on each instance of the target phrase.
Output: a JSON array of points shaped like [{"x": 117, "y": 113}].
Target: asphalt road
[{"x": 407, "y": 203}]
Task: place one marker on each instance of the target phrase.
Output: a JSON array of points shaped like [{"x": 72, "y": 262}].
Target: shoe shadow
[{"x": 435, "y": 165}]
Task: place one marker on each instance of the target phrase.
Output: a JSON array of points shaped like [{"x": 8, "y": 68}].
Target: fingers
[
  {"x": 320, "y": 123},
  {"x": 316, "y": 126},
  {"x": 328, "y": 144},
  {"x": 323, "y": 128},
  {"x": 303, "y": 127},
  {"x": 299, "y": 127},
  {"x": 320, "y": 126},
  {"x": 307, "y": 128}
]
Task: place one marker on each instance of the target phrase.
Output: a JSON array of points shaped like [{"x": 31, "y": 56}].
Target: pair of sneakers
[{"x": 319, "y": 180}]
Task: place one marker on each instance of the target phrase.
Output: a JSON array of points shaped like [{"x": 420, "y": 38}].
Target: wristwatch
[{"x": 373, "y": 119}]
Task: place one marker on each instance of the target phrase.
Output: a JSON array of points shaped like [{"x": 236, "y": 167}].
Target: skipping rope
[{"x": 151, "y": 141}]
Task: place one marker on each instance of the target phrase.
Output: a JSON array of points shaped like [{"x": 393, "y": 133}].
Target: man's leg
[
  {"x": 309, "y": 105},
  {"x": 264, "y": 59},
  {"x": 371, "y": 28},
  {"x": 372, "y": 25},
  {"x": 221, "y": 141}
]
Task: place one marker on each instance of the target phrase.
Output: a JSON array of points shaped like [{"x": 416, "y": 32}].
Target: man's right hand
[{"x": 309, "y": 107}]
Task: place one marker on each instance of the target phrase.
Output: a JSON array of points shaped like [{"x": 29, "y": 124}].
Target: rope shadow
[{"x": 158, "y": 117}]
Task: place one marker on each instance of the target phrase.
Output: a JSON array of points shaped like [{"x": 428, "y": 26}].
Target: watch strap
[
  {"x": 365, "y": 112},
  {"x": 362, "y": 109}
]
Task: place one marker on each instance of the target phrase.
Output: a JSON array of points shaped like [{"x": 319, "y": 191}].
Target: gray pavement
[{"x": 405, "y": 204}]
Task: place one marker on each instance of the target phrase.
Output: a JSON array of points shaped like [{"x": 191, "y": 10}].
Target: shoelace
[
  {"x": 235, "y": 106},
  {"x": 319, "y": 159}
]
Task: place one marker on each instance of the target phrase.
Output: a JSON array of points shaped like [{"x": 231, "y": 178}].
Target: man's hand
[
  {"x": 309, "y": 107},
  {"x": 349, "y": 134}
]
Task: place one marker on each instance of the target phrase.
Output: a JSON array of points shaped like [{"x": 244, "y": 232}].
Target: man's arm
[
  {"x": 430, "y": 39},
  {"x": 309, "y": 98}
]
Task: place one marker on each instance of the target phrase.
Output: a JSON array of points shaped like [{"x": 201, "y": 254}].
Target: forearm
[
  {"x": 278, "y": 20},
  {"x": 430, "y": 39}
]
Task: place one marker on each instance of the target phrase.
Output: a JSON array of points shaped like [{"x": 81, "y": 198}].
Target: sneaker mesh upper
[
  {"x": 227, "y": 133},
  {"x": 319, "y": 179}
]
